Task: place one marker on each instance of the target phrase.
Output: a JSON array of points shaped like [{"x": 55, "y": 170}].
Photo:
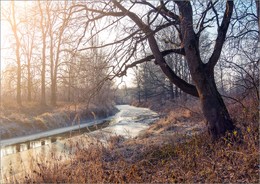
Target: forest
[{"x": 195, "y": 63}]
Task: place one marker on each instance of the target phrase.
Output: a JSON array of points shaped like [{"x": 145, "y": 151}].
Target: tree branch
[
  {"x": 222, "y": 30},
  {"x": 183, "y": 85},
  {"x": 149, "y": 58},
  {"x": 102, "y": 12}
]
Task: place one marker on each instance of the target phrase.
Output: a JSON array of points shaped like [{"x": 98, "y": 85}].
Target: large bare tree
[
  {"x": 59, "y": 34},
  {"x": 28, "y": 45},
  {"x": 12, "y": 19},
  {"x": 44, "y": 30},
  {"x": 143, "y": 24}
]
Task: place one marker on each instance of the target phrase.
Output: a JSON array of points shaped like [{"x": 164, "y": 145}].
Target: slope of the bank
[
  {"x": 175, "y": 149},
  {"x": 29, "y": 120}
]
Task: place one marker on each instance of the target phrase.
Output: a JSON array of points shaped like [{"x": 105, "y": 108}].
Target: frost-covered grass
[
  {"x": 163, "y": 156},
  {"x": 32, "y": 118}
]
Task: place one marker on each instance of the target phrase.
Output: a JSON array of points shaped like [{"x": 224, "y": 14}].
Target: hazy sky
[{"x": 7, "y": 52}]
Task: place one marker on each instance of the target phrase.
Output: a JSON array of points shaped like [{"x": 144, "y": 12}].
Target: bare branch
[
  {"x": 222, "y": 30},
  {"x": 149, "y": 58}
]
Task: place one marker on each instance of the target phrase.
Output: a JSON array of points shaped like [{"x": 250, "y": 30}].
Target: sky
[{"x": 5, "y": 33}]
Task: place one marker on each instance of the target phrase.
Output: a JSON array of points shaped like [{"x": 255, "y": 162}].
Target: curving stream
[{"x": 18, "y": 154}]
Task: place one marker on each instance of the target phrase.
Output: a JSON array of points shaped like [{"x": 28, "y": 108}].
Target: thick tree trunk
[
  {"x": 213, "y": 106},
  {"x": 214, "y": 109},
  {"x": 217, "y": 116}
]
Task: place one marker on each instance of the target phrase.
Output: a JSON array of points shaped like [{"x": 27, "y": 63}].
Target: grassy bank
[
  {"x": 174, "y": 149},
  {"x": 32, "y": 118}
]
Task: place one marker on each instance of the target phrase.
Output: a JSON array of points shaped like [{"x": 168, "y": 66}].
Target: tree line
[{"x": 42, "y": 62}]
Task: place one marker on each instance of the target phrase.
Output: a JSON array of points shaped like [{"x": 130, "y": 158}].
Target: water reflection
[
  {"x": 24, "y": 146},
  {"x": 12, "y": 149}
]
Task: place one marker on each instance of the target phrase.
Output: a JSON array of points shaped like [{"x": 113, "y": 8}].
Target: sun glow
[{"x": 6, "y": 31}]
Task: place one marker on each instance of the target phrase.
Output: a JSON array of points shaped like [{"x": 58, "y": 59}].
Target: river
[{"x": 19, "y": 154}]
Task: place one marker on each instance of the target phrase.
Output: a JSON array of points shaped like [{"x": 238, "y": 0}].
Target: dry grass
[
  {"x": 163, "y": 156},
  {"x": 194, "y": 160}
]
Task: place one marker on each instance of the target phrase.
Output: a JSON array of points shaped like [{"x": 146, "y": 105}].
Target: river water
[{"x": 19, "y": 154}]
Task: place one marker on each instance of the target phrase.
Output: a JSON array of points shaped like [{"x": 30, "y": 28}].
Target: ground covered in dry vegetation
[
  {"x": 32, "y": 117},
  {"x": 174, "y": 149}
]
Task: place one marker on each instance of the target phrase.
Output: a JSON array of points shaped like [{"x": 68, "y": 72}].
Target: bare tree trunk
[
  {"x": 53, "y": 83},
  {"x": 18, "y": 94},
  {"x": 172, "y": 90},
  {"x": 57, "y": 57},
  {"x": 258, "y": 17},
  {"x": 221, "y": 78},
  {"x": 43, "y": 95},
  {"x": 69, "y": 85},
  {"x": 176, "y": 88},
  {"x": 52, "y": 71},
  {"x": 44, "y": 31},
  {"x": 29, "y": 58},
  {"x": 139, "y": 90},
  {"x": 28, "y": 49},
  {"x": 54, "y": 88},
  {"x": 29, "y": 82},
  {"x": 213, "y": 106},
  {"x": 17, "y": 53}
]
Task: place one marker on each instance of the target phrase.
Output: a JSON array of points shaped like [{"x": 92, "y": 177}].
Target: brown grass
[{"x": 163, "y": 157}]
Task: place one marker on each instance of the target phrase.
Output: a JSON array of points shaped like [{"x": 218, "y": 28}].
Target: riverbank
[
  {"x": 173, "y": 149},
  {"x": 128, "y": 123},
  {"x": 32, "y": 118}
]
